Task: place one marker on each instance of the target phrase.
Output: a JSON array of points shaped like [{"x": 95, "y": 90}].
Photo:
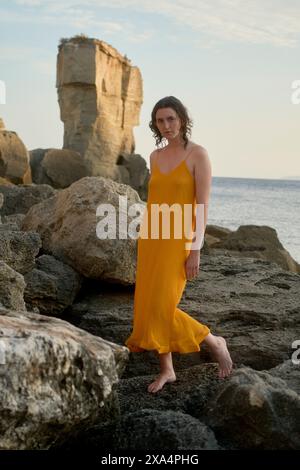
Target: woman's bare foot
[
  {"x": 159, "y": 382},
  {"x": 218, "y": 348}
]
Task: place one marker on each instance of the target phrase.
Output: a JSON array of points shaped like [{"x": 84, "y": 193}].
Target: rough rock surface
[
  {"x": 56, "y": 167},
  {"x": 165, "y": 430},
  {"x": 257, "y": 241},
  {"x": 100, "y": 96},
  {"x": 13, "y": 220},
  {"x": 19, "y": 249},
  {"x": 68, "y": 226},
  {"x": 256, "y": 411},
  {"x": 14, "y": 158},
  {"x": 134, "y": 172},
  {"x": 289, "y": 369},
  {"x": 254, "y": 304},
  {"x": 12, "y": 287},
  {"x": 51, "y": 286},
  {"x": 55, "y": 380},
  {"x": 19, "y": 199},
  {"x": 38, "y": 173}
]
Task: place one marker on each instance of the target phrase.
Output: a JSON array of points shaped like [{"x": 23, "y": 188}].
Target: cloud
[
  {"x": 274, "y": 22},
  {"x": 28, "y": 2},
  {"x": 69, "y": 14}
]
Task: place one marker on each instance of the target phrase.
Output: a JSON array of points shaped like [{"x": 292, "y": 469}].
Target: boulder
[
  {"x": 19, "y": 249},
  {"x": 256, "y": 411},
  {"x": 19, "y": 199},
  {"x": 57, "y": 167},
  {"x": 56, "y": 380},
  {"x": 289, "y": 371},
  {"x": 162, "y": 429},
  {"x": 63, "y": 167},
  {"x": 217, "y": 231},
  {"x": 13, "y": 219},
  {"x": 12, "y": 287},
  {"x": 14, "y": 158},
  {"x": 133, "y": 171},
  {"x": 67, "y": 224},
  {"x": 100, "y": 96},
  {"x": 257, "y": 241},
  {"x": 38, "y": 173},
  {"x": 51, "y": 286}
]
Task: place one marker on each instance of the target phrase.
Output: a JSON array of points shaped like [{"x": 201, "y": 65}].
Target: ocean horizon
[{"x": 236, "y": 201}]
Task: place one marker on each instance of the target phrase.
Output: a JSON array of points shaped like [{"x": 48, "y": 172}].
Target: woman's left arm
[{"x": 203, "y": 177}]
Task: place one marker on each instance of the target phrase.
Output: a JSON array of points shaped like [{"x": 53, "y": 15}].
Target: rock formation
[
  {"x": 254, "y": 304},
  {"x": 67, "y": 224},
  {"x": 14, "y": 157},
  {"x": 253, "y": 241},
  {"x": 252, "y": 301},
  {"x": 100, "y": 96},
  {"x": 12, "y": 287},
  {"x": 55, "y": 380},
  {"x": 18, "y": 199},
  {"x": 58, "y": 168},
  {"x": 252, "y": 408},
  {"x": 76, "y": 387},
  {"x": 51, "y": 286},
  {"x": 19, "y": 249}
]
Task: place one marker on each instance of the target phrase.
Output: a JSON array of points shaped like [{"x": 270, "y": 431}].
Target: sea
[{"x": 251, "y": 201}]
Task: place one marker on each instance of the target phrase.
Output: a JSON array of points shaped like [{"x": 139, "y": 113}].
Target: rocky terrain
[{"x": 67, "y": 381}]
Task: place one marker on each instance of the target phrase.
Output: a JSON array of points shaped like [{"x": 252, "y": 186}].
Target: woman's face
[{"x": 168, "y": 122}]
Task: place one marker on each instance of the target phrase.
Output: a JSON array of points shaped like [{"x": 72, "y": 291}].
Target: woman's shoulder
[
  {"x": 199, "y": 150},
  {"x": 196, "y": 146},
  {"x": 199, "y": 158}
]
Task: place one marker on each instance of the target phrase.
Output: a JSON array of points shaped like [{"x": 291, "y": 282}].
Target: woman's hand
[{"x": 192, "y": 264}]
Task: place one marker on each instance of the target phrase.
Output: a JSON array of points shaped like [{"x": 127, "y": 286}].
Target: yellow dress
[{"x": 158, "y": 324}]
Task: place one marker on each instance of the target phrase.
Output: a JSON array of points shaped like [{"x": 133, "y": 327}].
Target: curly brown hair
[{"x": 182, "y": 113}]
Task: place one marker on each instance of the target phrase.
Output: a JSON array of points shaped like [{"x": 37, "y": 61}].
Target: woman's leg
[
  {"x": 218, "y": 348},
  {"x": 167, "y": 373}
]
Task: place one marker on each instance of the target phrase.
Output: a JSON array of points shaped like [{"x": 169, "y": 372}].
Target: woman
[{"x": 180, "y": 175}]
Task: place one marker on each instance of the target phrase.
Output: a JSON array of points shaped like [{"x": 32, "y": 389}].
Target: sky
[{"x": 233, "y": 64}]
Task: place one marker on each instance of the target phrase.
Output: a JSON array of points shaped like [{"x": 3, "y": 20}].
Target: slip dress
[{"x": 158, "y": 324}]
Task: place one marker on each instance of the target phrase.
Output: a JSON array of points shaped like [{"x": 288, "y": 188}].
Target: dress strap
[{"x": 185, "y": 158}]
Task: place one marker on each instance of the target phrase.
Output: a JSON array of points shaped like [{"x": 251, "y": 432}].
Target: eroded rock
[
  {"x": 14, "y": 158},
  {"x": 55, "y": 380},
  {"x": 100, "y": 96},
  {"x": 51, "y": 286},
  {"x": 67, "y": 225},
  {"x": 256, "y": 411},
  {"x": 19, "y": 199},
  {"x": 19, "y": 249},
  {"x": 257, "y": 241},
  {"x": 12, "y": 286}
]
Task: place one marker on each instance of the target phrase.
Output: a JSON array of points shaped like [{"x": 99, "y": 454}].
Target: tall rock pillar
[{"x": 100, "y": 96}]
